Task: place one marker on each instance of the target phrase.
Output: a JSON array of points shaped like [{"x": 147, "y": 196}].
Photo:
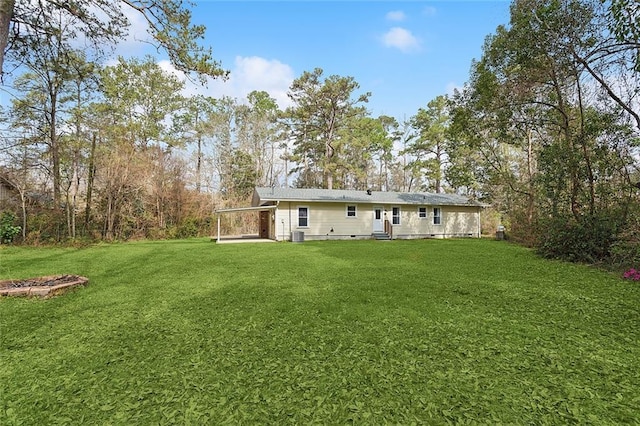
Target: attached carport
[{"x": 265, "y": 232}]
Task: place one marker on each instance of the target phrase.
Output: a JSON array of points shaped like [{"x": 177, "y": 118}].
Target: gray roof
[{"x": 264, "y": 196}]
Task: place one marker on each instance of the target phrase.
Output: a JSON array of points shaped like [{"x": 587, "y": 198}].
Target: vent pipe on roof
[{"x": 368, "y": 192}]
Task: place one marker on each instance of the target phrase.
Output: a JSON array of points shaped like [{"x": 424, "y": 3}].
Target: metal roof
[
  {"x": 263, "y": 196},
  {"x": 244, "y": 209}
]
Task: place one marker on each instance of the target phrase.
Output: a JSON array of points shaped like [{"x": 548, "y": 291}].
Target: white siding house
[{"x": 347, "y": 214}]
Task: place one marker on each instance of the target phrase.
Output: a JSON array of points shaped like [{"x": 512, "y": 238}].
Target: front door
[{"x": 378, "y": 220}]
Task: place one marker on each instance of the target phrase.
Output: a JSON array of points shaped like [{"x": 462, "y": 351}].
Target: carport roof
[{"x": 244, "y": 209}]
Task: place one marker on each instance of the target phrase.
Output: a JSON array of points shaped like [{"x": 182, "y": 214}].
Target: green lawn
[{"x": 363, "y": 332}]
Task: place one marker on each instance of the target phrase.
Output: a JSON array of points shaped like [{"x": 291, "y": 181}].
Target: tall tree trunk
[
  {"x": 530, "y": 173},
  {"x": 270, "y": 173},
  {"x": 565, "y": 126},
  {"x": 327, "y": 166},
  {"x": 23, "y": 195},
  {"x": 198, "y": 154},
  {"x": 23, "y": 206},
  {"x": 380, "y": 175},
  {"x": 439, "y": 171},
  {"x": 585, "y": 151},
  {"x": 6, "y": 13},
  {"x": 109, "y": 229},
  {"x": 199, "y": 165},
  {"x": 92, "y": 172},
  {"x": 68, "y": 207},
  {"x": 74, "y": 189},
  {"x": 55, "y": 150}
]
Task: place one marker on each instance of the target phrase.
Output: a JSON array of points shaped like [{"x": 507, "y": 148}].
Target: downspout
[
  {"x": 289, "y": 217},
  {"x": 275, "y": 222}
]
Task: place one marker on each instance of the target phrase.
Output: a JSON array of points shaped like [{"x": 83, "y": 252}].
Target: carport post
[{"x": 218, "y": 240}]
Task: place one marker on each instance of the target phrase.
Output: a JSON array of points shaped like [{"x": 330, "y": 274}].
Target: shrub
[
  {"x": 189, "y": 227},
  {"x": 587, "y": 240},
  {"x": 625, "y": 252},
  {"x": 8, "y": 230}
]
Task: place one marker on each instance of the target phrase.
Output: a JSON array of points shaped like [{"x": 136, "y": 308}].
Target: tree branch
[{"x": 608, "y": 89}]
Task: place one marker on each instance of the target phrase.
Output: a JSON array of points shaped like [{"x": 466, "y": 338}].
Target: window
[
  {"x": 395, "y": 215},
  {"x": 422, "y": 212},
  {"x": 351, "y": 211},
  {"x": 437, "y": 216},
  {"x": 303, "y": 217}
]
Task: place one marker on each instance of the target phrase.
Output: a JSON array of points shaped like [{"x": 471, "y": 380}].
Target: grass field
[{"x": 353, "y": 332}]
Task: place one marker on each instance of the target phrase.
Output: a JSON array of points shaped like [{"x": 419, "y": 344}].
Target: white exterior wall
[
  {"x": 325, "y": 221},
  {"x": 282, "y": 232},
  {"x": 462, "y": 221},
  {"x": 455, "y": 222},
  {"x": 325, "y": 217}
]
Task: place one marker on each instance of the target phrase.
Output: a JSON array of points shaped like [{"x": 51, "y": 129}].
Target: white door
[{"x": 378, "y": 220}]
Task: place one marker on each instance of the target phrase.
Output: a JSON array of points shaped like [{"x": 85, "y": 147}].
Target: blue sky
[{"x": 404, "y": 52}]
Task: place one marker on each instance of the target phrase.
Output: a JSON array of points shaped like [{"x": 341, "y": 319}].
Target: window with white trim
[
  {"x": 395, "y": 215},
  {"x": 437, "y": 216},
  {"x": 422, "y": 212},
  {"x": 303, "y": 217},
  {"x": 352, "y": 211}
]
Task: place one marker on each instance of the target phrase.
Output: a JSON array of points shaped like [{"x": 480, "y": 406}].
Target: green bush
[
  {"x": 625, "y": 252},
  {"x": 8, "y": 230},
  {"x": 190, "y": 227},
  {"x": 587, "y": 240}
]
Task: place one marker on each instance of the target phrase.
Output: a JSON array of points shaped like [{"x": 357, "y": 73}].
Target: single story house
[{"x": 320, "y": 214}]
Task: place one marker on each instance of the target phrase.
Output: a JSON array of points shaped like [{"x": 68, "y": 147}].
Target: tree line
[
  {"x": 547, "y": 127},
  {"x": 545, "y": 131}
]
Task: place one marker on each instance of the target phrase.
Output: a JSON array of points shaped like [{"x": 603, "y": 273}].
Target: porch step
[{"x": 381, "y": 236}]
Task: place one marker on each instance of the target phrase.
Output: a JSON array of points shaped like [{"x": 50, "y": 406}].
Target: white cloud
[
  {"x": 138, "y": 28},
  {"x": 255, "y": 73},
  {"x": 135, "y": 43},
  {"x": 402, "y": 39},
  {"x": 248, "y": 74},
  {"x": 168, "y": 67},
  {"x": 138, "y": 40},
  {"x": 396, "y": 15}
]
